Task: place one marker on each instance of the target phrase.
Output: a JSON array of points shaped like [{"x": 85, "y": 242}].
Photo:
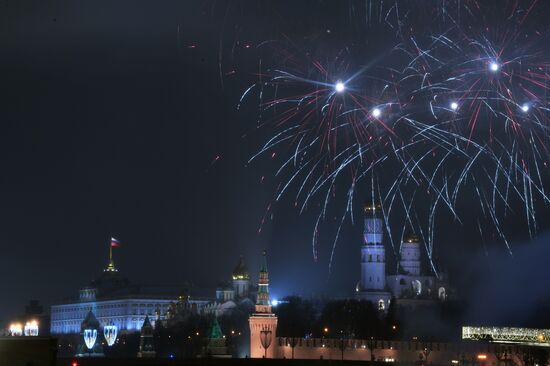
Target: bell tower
[
  {"x": 373, "y": 253},
  {"x": 263, "y": 323},
  {"x": 410, "y": 255}
]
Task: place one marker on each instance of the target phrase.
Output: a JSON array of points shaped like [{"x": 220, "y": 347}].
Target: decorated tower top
[{"x": 262, "y": 300}]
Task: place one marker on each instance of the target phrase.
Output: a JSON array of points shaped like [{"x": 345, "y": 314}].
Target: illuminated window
[{"x": 381, "y": 304}]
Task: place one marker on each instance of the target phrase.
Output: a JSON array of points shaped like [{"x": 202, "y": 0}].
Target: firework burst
[{"x": 441, "y": 114}]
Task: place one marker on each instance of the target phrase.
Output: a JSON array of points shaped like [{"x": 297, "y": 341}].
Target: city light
[
  {"x": 454, "y": 106},
  {"x": 274, "y": 302},
  {"x": 376, "y": 112},
  {"x": 31, "y": 328},
  {"x": 494, "y": 67},
  {"x": 507, "y": 334},
  {"x": 481, "y": 357},
  {"x": 339, "y": 87},
  {"x": 16, "y": 330},
  {"x": 525, "y": 108}
]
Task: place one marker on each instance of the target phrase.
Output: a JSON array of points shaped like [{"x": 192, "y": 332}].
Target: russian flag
[{"x": 114, "y": 242}]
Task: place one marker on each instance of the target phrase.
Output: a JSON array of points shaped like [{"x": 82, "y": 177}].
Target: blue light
[
  {"x": 339, "y": 87},
  {"x": 274, "y": 302}
]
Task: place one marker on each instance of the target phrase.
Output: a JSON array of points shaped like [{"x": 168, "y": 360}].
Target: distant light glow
[
  {"x": 454, "y": 106},
  {"x": 525, "y": 108},
  {"x": 482, "y": 357},
  {"x": 31, "y": 328},
  {"x": 376, "y": 112},
  {"x": 493, "y": 66},
  {"x": 339, "y": 87},
  {"x": 16, "y": 330},
  {"x": 274, "y": 302}
]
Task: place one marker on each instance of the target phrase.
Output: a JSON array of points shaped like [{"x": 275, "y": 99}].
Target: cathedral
[{"x": 409, "y": 285}]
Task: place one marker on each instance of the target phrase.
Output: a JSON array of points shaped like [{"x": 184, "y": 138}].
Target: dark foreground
[{"x": 208, "y": 361}]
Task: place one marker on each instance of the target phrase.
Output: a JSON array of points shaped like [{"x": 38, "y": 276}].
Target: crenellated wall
[{"x": 472, "y": 353}]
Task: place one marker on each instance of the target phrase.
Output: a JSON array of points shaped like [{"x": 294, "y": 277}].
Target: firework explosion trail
[{"x": 452, "y": 110}]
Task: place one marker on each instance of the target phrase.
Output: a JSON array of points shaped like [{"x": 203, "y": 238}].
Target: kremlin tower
[{"x": 263, "y": 323}]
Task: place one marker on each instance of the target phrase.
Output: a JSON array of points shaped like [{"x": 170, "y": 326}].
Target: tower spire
[
  {"x": 263, "y": 323},
  {"x": 262, "y": 300}
]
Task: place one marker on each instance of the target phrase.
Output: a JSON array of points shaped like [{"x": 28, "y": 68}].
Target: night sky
[{"x": 112, "y": 117}]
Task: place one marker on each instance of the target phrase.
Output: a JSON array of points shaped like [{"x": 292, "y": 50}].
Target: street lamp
[{"x": 110, "y": 332}]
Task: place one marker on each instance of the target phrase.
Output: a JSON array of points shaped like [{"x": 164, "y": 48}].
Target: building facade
[{"x": 113, "y": 299}]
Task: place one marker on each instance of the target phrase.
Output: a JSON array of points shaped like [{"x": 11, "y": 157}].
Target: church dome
[{"x": 240, "y": 272}]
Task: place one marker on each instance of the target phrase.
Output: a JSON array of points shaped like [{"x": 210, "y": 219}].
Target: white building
[
  {"x": 111, "y": 297},
  {"x": 409, "y": 285}
]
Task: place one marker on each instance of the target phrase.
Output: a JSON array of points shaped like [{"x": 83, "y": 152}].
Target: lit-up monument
[{"x": 263, "y": 323}]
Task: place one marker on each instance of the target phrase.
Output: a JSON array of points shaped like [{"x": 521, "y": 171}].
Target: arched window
[
  {"x": 402, "y": 281},
  {"x": 378, "y": 258},
  {"x": 381, "y": 304},
  {"x": 370, "y": 257}
]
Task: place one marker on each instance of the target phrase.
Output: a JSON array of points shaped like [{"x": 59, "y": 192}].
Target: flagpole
[{"x": 110, "y": 252}]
